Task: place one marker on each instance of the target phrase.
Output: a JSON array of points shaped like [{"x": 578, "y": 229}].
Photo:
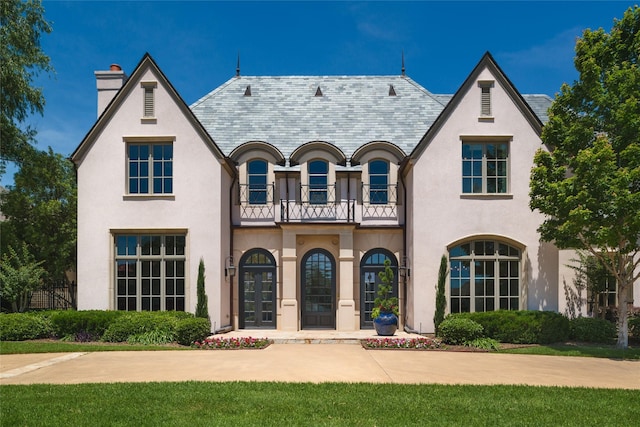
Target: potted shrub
[{"x": 385, "y": 307}]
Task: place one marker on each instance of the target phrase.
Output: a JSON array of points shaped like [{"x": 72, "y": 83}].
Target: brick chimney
[{"x": 108, "y": 84}]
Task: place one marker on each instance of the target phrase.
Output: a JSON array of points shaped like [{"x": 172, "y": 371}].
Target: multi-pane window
[
  {"x": 379, "y": 182},
  {"x": 485, "y": 168},
  {"x": 318, "y": 181},
  {"x": 150, "y": 272},
  {"x": 257, "y": 180},
  {"x": 150, "y": 168},
  {"x": 485, "y": 276}
]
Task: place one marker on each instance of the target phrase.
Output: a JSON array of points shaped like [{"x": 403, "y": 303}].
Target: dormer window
[
  {"x": 379, "y": 182},
  {"x": 485, "y": 98},
  {"x": 148, "y": 104},
  {"x": 318, "y": 182}
]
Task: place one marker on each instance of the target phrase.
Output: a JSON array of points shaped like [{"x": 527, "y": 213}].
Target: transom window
[
  {"x": 485, "y": 276},
  {"x": 150, "y": 168},
  {"x": 379, "y": 182},
  {"x": 257, "y": 180},
  {"x": 150, "y": 272},
  {"x": 485, "y": 167},
  {"x": 318, "y": 181}
]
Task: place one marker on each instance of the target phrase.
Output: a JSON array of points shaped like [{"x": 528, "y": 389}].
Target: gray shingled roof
[{"x": 352, "y": 111}]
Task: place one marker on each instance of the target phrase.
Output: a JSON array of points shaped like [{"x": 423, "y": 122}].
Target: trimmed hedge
[
  {"x": 459, "y": 330},
  {"x": 24, "y": 326},
  {"x": 634, "y": 326},
  {"x": 90, "y": 323},
  {"x": 115, "y": 326},
  {"x": 521, "y": 327},
  {"x": 588, "y": 329}
]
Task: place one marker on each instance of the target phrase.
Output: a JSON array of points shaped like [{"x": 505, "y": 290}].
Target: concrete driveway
[{"x": 337, "y": 362}]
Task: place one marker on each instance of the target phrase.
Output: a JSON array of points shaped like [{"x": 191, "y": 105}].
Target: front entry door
[
  {"x": 318, "y": 290},
  {"x": 258, "y": 291}
]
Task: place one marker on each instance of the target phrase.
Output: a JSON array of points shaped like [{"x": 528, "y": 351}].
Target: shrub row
[
  {"x": 521, "y": 327},
  {"x": 113, "y": 326},
  {"x": 527, "y": 327}
]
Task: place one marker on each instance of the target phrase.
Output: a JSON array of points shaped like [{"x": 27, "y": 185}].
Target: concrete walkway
[{"x": 344, "y": 360}]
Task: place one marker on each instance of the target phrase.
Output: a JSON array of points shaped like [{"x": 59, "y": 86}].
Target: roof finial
[
  {"x": 403, "y": 62},
  {"x": 238, "y": 66}
]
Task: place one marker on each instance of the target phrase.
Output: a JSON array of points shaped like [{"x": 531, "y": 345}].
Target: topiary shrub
[
  {"x": 459, "y": 330},
  {"x": 191, "y": 330},
  {"x": 87, "y": 325},
  {"x": 24, "y": 326},
  {"x": 588, "y": 329}
]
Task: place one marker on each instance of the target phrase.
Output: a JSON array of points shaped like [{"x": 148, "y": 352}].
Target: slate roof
[{"x": 352, "y": 111}]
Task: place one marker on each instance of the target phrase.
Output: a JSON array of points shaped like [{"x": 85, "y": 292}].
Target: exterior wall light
[{"x": 230, "y": 268}]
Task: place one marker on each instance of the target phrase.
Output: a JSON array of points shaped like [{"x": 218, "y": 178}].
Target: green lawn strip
[
  {"x": 264, "y": 404},
  {"x": 606, "y": 352},
  {"x": 17, "y": 347}
]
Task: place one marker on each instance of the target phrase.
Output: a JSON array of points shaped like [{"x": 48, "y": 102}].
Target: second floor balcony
[{"x": 308, "y": 203}]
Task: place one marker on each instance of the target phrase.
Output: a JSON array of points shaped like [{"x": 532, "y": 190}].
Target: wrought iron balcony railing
[
  {"x": 318, "y": 203},
  {"x": 379, "y": 201},
  {"x": 256, "y": 201}
]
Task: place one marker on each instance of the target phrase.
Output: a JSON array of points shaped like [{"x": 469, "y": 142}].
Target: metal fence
[{"x": 55, "y": 296}]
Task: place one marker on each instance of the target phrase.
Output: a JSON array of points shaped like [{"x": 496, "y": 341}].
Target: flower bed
[
  {"x": 412, "y": 343},
  {"x": 231, "y": 343}
]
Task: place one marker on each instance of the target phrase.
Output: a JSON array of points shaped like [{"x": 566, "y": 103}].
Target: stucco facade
[{"x": 295, "y": 190}]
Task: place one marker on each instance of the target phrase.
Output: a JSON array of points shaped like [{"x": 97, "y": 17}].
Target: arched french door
[
  {"x": 257, "y": 289},
  {"x": 318, "y": 290},
  {"x": 373, "y": 263}
]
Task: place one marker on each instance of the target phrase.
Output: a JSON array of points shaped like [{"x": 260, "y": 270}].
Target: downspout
[
  {"x": 404, "y": 251},
  {"x": 229, "y": 327}
]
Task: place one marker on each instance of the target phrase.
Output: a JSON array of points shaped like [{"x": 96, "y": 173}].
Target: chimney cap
[{"x": 115, "y": 67}]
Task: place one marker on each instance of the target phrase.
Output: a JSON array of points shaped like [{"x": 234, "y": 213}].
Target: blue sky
[{"x": 196, "y": 44}]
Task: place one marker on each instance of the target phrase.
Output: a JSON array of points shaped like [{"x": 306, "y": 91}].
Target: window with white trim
[
  {"x": 485, "y": 167},
  {"x": 484, "y": 276},
  {"x": 150, "y": 272},
  {"x": 150, "y": 168}
]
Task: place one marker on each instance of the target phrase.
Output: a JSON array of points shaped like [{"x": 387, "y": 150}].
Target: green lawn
[
  {"x": 583, "y": 350},
  {"x": 282, "y": 404},
  {"x": 36, "y": 346}
]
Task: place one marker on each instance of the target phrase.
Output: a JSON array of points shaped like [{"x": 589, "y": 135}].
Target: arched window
[
  {"x": 257, "y": 180},
  {"x": 373, "y": 263},
  {"x": 379, "y": 182},
  {"x": 318, "y": 182},
  {"x": 485, "y": 276}
]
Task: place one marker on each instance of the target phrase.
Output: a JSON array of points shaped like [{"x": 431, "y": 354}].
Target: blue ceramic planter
[{"x": 386, "y": 324}]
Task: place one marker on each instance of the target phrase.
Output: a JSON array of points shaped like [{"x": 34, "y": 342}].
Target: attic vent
[
  {"x": 392, "y": 91},
  {"x": 485, "y": 98},
  {"x": 318, "y": 92},
  {"x": 148, "y": 107},
  {"x": 247, "y": 91}
]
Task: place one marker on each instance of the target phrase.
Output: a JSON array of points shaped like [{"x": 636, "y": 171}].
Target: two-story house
[{"x": 294, "y": 190}]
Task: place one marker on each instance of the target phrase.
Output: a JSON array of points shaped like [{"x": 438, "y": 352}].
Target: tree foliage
[
  {"x": 20, "y": 275},
  {"x": 21, "y": 25},
  {"x": 202, "y": 309},
  {"x": 41, "y": 212},
  {"x": 441, "y": 299},
  {"x": 588, "y": 185}
]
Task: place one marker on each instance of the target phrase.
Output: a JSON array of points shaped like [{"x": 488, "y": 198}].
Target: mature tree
[
  {"x": 22, "y": 59},
  {"x": 20, "y": 275},
  {"x": 40, "y": 210},
  {"x": 588, "y": 185}
]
